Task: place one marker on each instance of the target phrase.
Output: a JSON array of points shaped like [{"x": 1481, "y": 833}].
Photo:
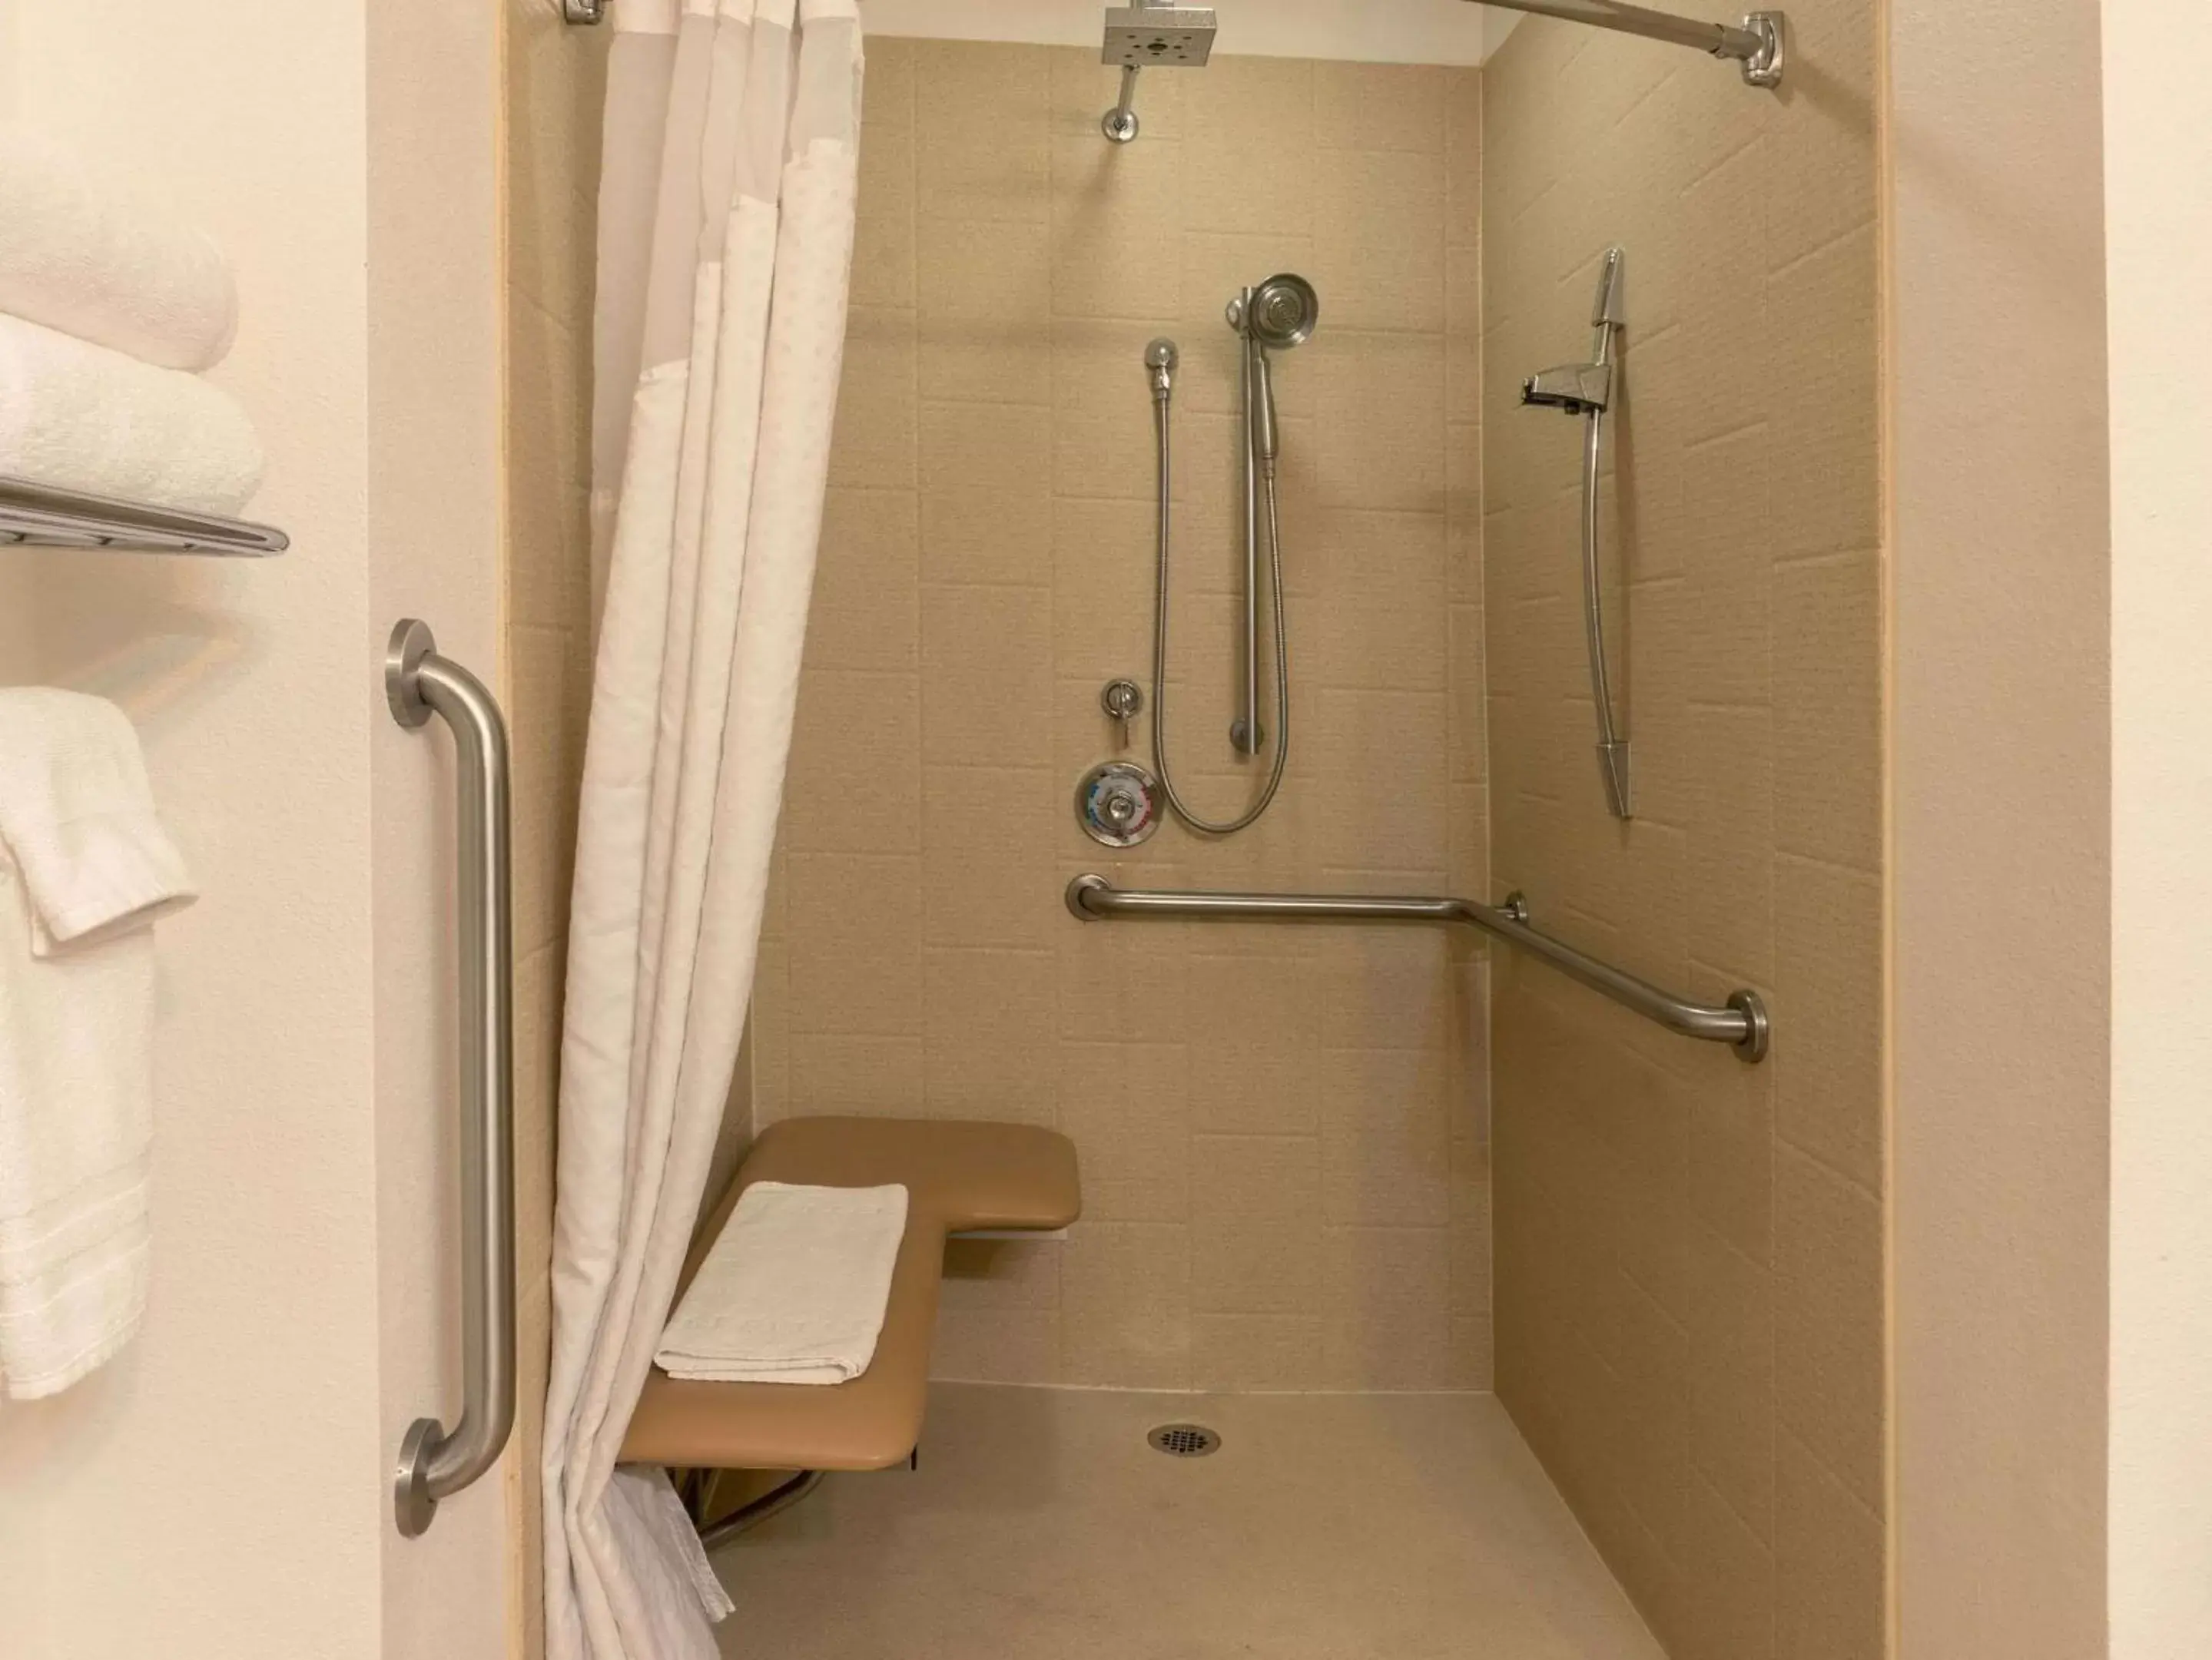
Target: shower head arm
[{"x": 1119, "y": 123}]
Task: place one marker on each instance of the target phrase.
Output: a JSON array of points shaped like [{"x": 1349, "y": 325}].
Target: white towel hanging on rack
[{"x": 85, "y": 869}]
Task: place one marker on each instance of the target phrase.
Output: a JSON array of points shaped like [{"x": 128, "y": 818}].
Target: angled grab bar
[
  {"x": 434, "y": 1463},
  {"x": 1741, "y": 1022}
]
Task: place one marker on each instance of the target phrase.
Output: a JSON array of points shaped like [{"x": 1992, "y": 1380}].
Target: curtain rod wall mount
[
  {"x": 1763, "y": 67},
  {"x": 584, "y": 11}
]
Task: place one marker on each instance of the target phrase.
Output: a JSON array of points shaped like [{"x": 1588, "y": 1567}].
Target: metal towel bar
[
  {"x": 433, "y": 1464},
  {"x": 44, "y": 515},
  {"x": 1741, "y": 1023}
]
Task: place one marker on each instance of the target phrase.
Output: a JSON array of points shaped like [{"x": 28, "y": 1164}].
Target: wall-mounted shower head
[
  {"x": 1158, "y": 37},
  {"x": 1151, "y": 36}
]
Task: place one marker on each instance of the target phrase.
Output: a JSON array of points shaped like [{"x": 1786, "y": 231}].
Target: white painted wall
[
  {"x": 2157, "y": 204},
  {"x": 1365, "y": 31},
  {"x": 222, "y": 1487}
]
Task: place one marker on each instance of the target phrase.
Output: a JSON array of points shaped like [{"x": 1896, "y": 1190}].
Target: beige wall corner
[
  {"x": 2001, "y": 855},
  {"x": 1685, "y": 1245},
  {"x": 555, "y": 77}
]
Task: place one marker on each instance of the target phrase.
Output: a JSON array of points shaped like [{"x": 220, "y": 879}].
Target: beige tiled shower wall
[
  {"x": 555, "y": 76},
  {"x": 1690, "y": 1279},
  {"x": 1282, "y": 1130}
]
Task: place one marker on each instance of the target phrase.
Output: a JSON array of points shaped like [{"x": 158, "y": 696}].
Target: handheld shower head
[
  {"x": 1284, "y": 309},
  {"x": 1265, "y": 441},
  {"x": 1279, "y": 314}
]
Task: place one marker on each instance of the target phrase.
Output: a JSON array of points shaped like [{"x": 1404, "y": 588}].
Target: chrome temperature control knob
[{"x": 1118, "y": 804}]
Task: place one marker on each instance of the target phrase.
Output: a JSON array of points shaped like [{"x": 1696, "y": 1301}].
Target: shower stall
[
  {"x": 1463, "y": 1153},
  {"x": 1277, "y": 315}
]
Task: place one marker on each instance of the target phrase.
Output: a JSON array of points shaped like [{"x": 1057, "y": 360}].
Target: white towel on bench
[{"x": 794, "y": 1290}]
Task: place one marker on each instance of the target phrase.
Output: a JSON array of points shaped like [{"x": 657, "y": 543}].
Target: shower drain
[{"x": 1184, "y": 1440}]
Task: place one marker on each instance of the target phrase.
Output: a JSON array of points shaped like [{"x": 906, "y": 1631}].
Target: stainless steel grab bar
[
  {"x": 433, "y": 1462},
  {"x": 1741, "y": 1023}
]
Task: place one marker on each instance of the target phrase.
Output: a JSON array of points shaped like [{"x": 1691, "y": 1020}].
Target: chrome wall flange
[
  {"x": 411, "y": 642},
  {"x": 1119, "y": 125},
  {"x": 1763, "y": 67},
  {"x": 413, "y": 1505},
  {"x": 584, "y": 11},
  {"x": 1752, "y": 1049},
  {"x": 1077, "y": 892}
]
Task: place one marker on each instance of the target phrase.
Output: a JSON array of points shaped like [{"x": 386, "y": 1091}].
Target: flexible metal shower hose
[{"x": 1209, "y": 826}]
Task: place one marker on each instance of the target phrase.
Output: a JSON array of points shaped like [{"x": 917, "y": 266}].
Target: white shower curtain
[{"x": 726, "y": 238}]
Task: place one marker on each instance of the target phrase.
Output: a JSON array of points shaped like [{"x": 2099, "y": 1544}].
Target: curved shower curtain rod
[{"x": 1756, "y": 44}]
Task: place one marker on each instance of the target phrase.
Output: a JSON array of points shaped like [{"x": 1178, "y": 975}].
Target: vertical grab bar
[{"x": 434, "y": 1463}]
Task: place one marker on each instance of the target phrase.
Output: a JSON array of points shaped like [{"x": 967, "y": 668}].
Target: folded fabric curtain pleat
[{"x": 727, "y": 212}]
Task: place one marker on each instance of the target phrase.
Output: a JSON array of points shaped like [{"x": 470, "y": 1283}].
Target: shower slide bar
[
  {"x": 1741, "y": 1023},
  {"x": 435, "y": 1463},
  {"x": 1756, "y": 46}
]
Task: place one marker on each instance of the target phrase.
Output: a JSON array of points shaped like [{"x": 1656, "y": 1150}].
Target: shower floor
[{"x": 1327, "y": 1527}]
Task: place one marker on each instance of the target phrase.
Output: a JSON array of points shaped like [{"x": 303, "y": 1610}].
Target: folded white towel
[
  {"x": 85, "y": 418},
  {"x": 85, "y": 867},
  {"x": 794, "y": 1291},
  {"x": 94, "y": 259}
]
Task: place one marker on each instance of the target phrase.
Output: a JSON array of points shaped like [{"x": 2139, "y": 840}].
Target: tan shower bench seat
[{"x": 960, "y": 1178}]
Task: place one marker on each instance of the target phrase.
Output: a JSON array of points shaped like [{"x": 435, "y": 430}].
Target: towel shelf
[{"x": 43, "y": 516}]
